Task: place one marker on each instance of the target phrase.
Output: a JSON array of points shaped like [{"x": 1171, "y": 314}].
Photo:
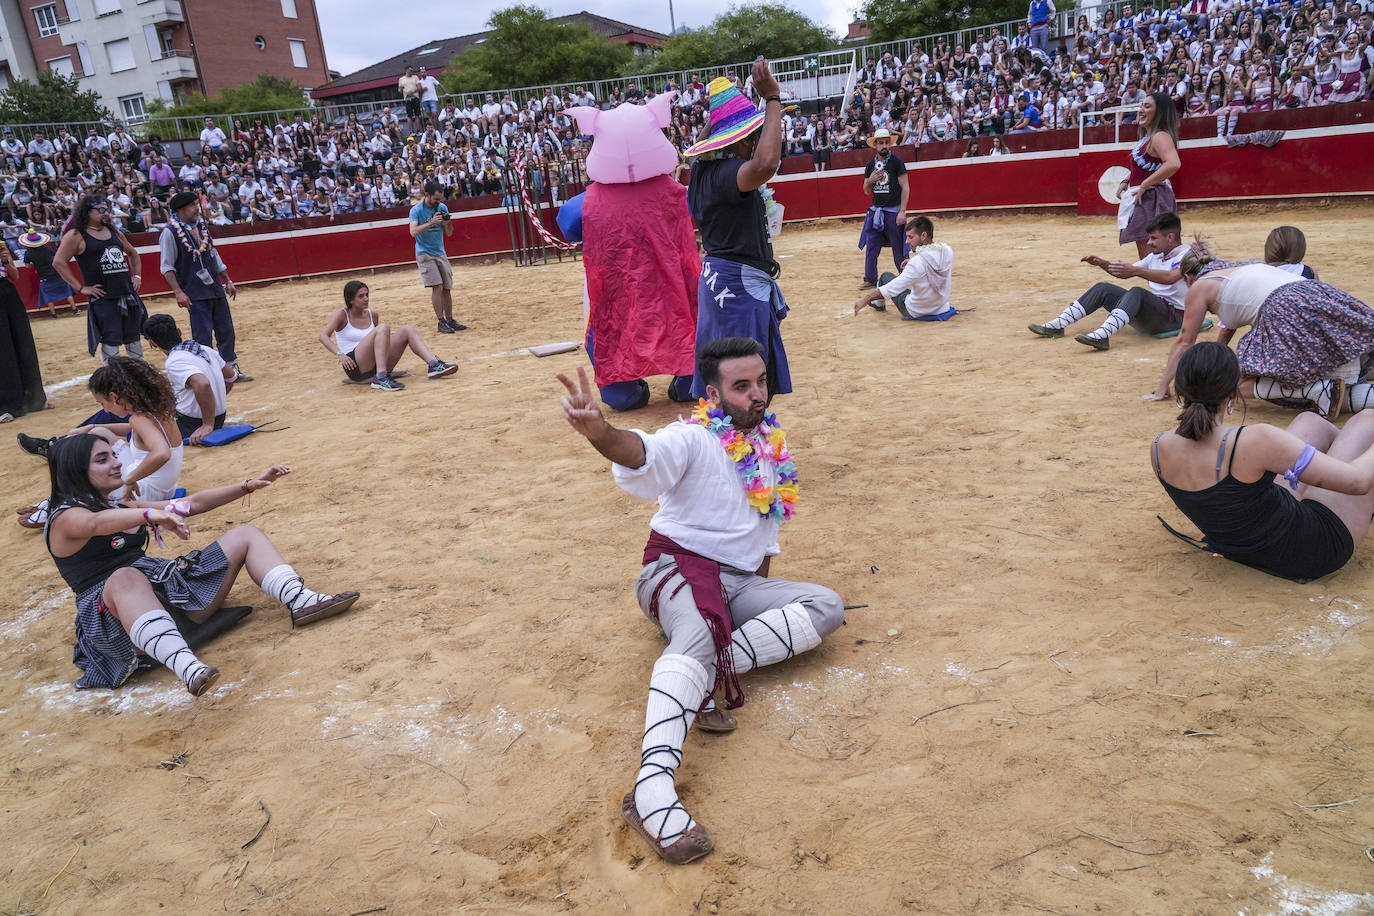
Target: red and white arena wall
[{"x": 1315, "y": 159}]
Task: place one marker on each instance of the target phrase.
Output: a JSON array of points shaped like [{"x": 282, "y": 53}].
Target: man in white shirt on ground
[
  {"x": 199, "y": 377},
  {"x": 705, "y": 577},
  {"x": 1157, "y": 310},
  {"x": 921, "y": 291}
]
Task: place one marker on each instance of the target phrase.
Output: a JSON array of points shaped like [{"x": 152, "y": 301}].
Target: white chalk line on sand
[
  {"x": 1293, "y": 898},
  {"x": 55, "y": 387},
  {"x": 17, "y": 628}
]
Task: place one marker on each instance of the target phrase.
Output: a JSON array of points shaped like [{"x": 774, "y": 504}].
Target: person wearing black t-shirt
[
  {"x": 52, "y": 289},
  {"x": 884, "y": 178},
  {"x": 738, "y": 295},
  {"x": 110, "y": 280}
]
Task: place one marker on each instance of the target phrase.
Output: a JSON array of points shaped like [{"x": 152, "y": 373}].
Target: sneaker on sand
[
  {"x": 242, "y": 376},
  {"x": 444, "y": 328},
  {"x": 455, "y": 325},
  {"x": 1045, "y": 331},
  {"x": 441, "y": 369},
  {"x": 34, "y": 445},
  {"x": 386, "y": 383}
]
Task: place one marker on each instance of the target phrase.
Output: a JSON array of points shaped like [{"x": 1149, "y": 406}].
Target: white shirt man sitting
[
  {"x": 921, "y": 291},
  {"x": 199, "y": 377},
  {"x": 212, "y": 137}
]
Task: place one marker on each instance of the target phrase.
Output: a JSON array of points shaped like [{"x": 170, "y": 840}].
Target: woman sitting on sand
[
  {"x": 122, "y": 596},
  {"x": 148, "y": 443},
  {"x": 1307, "y": 340},
  {"x": 1301, "y": 530},
  {"x": 369, "y": 350}
]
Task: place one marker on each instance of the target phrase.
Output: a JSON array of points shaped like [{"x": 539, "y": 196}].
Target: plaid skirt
[
  {"x": 1156, "y": 200},
  {"x": 103, "y": 650},
  {"x": 1304, "y": 331}
]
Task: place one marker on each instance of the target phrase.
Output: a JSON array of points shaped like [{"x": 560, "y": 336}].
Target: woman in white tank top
[
  {"x": 1308, "y": 341},
  {"x": 368, "y": 349}
]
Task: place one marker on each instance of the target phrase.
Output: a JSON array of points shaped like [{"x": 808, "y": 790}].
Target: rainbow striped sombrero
[{"x": 732, "y": 118}]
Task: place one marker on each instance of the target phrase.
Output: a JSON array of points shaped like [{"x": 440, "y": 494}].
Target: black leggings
[{"x": 1149, "y": 314}]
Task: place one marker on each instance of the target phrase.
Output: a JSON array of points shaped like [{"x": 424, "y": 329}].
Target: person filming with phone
[{"x": 429, "y": 225}]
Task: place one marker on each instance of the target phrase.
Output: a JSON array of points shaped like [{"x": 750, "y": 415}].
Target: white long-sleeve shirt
[
  {"x": 701, "y": 501},
  {"x": 929, "y": 277}
]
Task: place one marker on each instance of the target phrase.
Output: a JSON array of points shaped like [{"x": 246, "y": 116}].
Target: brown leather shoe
[
  {"x": 689, "y": 847},
  {"x": 716, "y": 721},
  {"x": 327, "y": 606},
  {"x": 202, "y": 681}
]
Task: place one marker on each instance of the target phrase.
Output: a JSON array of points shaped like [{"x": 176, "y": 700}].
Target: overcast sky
[{"x": 357, "y": 33}]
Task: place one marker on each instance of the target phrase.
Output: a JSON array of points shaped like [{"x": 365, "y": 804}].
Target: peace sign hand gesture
[{"x": 580, "y": 408}]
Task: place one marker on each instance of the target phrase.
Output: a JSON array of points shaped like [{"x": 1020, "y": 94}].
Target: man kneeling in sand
[
  {"x": 921, "y": 291},
  {"x": 724, "y": 481}
]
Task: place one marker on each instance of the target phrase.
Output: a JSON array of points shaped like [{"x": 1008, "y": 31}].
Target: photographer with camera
[{"x": 426, "y": 218}]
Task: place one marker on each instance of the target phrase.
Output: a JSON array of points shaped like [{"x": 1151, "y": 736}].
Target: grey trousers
[{"x": 746, "y": 595}]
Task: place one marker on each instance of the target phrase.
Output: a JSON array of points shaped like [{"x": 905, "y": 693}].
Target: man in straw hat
[
  {"x": 738, "y": 294},
  {"x": 197, "y": 276},
  {"x": 52, "y": 289},
  {"x": 884, "y": 178}
]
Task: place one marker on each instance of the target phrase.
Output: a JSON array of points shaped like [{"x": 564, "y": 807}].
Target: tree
[
  {"x": 525, "y": 49},
  {"x": 891, "y": 20},
  {"x": 50, "y": 98},
  {"x": 742, "y": 34},
  {"x": 266, "y": 93}
]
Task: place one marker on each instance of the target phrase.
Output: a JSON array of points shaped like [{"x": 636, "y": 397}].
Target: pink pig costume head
[{"x": 628, "y": 143}]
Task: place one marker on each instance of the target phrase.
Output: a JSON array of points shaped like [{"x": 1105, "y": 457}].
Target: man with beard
[
  {"x": 109, "y": 279},
  {"x": 884, "y": 178},
  {"x": 198, "y": 278},
  {"x": 724, "y": 482}
]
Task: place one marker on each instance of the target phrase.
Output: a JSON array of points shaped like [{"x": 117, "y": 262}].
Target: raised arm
[
  {"x": 768, "y": 153},
  {"x": 582, "y": 413},
  {"x": 206, "y": 500}
]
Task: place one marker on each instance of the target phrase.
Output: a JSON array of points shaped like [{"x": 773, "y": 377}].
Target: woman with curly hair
[{"x": 150, "y": 456}]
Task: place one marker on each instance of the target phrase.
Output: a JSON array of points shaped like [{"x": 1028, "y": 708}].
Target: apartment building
[{"x": 133, "y": 51}]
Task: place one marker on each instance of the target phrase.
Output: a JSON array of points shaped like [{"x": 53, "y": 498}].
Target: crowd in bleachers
[{"x": 1214, "y": 57}]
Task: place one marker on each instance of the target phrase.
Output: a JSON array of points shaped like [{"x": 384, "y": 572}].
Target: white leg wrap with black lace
[
  {"x": 676, "y": 689},
  {"x": 773, "y": 636},
  {"x": 283, "y": 584},
  {"x": 157, "y": 635}
]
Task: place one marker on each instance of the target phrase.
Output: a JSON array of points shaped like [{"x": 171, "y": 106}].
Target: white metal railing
[{"x": 1120, "y": 112}]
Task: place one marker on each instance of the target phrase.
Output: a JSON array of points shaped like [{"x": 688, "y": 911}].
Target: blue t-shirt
[{"x": 431, "y": 241}]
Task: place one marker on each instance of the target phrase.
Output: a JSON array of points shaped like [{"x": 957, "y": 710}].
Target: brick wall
[
  {"x": 47, "y": 48},
  {"x": 223, "y": 34}
]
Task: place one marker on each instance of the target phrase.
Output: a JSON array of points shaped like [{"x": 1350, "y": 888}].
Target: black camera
[{"x": 445, "y": 215}]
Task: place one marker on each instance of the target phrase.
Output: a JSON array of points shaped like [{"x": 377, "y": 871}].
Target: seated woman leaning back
[{"x": 1293, "y": 503}]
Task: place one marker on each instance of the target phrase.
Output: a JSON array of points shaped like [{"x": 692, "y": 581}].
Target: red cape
[{"x": 640, "y": 253}]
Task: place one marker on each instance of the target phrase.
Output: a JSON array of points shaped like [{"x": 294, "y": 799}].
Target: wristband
[
  {"x": 157, "y": 535},
  {"x": 244, "y": 486},
  {"x": 773, "y": 98}
]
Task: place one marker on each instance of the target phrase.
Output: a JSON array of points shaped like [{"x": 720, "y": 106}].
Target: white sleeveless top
[
  {"x": 1244, "y": 291},
  {"x": 160, "y": 484},
  {"x": 348, "y": 337}
]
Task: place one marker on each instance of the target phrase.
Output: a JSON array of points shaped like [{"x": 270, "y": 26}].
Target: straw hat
[
  {"x": 882, "y": 133},
  {"x": 732, "y": 118},
  {"x": 34, "y": 239}
]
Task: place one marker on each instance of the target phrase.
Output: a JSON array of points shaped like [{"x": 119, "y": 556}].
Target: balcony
[
  {"x": 161, "y": 12},
  {"x": 175, "y": 65}
]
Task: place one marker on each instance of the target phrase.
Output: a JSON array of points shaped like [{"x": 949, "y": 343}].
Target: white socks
[
  {"x": 676, "y": 689},
  {"x": 1115, "y": 322},
  {"x": 1359, "y": 396},
  {"x": 773, "y": 636},
  {"x": 1318, "y": 392},
  {"x": 157, "y": 635},
  {"x": 1066, "y": 318},
  {"x": 282, "y": 583}
]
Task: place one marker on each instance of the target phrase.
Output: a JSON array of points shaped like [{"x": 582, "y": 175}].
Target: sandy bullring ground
[{"x": 1048, "y": 704}]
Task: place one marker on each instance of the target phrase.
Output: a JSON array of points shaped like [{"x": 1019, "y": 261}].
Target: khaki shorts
[{"x": 434, "y": 271}]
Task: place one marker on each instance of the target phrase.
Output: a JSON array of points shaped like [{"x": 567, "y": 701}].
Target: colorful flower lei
[
  {"x": 201, "y": 226},
  {"x": 778, "y": 502}
]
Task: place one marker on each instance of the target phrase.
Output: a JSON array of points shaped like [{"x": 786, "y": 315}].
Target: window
[
  {"x": 46, "y": 17},
  {"x": 106, "y": 7},
  {"x": 121, "y": 55},
  {"x": 288, "y": 9},
  {"x": 434, "y": 50},
  {"x": 62, "y": 65},
  {"x": 297, "y": 52},
  {"x": 132, "y": 106}
]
